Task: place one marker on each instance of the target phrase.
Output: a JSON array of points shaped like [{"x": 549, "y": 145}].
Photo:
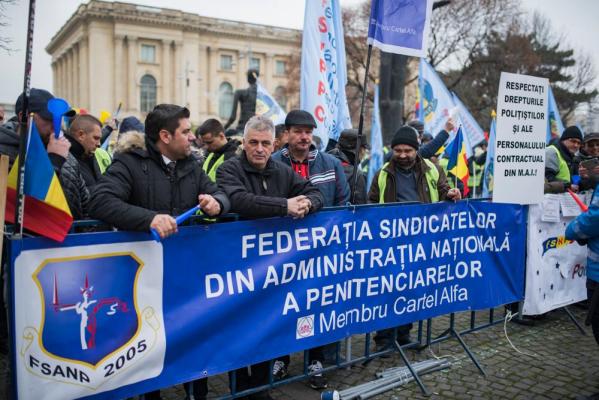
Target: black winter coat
[
  {"x": 75, "y": 190},
  {"x": 255, "y": 193},
  {"x": 9, "y": 140},
  {"x": 348, "y": 167},
  {"x": 78, "y": 175},
  {"x": 136, "y": 187}
]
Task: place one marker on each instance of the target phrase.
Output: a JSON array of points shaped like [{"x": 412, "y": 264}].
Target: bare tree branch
[{"x": 5, "y": 41}]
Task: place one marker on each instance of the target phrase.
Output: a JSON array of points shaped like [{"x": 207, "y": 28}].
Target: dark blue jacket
[
  {"x": 325, "y": 172},
  {"x": 585, "y": 228}
]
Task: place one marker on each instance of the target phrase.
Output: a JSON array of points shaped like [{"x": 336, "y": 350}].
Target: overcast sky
[{"x": 576, "y": 18}]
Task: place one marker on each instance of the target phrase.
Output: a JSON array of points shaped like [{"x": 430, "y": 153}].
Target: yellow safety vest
[
  {"x": 212, "y": 172},
  {"x": 563, "y": 174},
  {"x": 478, "y": 174},
  {"x": 432, "y": 177},
  {"x": 443, "y": 164},
  {"x": 103, "y": 159}
]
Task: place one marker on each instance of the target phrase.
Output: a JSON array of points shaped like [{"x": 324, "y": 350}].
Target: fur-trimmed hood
[{"x": 129, "y": 141}]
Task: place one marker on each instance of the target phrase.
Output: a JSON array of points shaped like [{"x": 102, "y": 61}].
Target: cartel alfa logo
[
  {"x": 305, "y": 327},
  {"x": 91, "y": 328},
  {"x": 555, "y": 243}
]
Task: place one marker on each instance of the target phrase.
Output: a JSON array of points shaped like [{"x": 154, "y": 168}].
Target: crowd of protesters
[{"x": 139, "y": 176}]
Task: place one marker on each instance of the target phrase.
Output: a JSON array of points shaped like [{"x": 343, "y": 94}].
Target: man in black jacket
[
  {"x": 258, "y": 187},
  {"x": 80, "y": 172},
  {"x": 145, "y": 187},
  {"x": 345, "y": 151}
]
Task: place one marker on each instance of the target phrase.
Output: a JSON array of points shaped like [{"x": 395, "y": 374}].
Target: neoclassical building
[{"x": 109, "y": 53}]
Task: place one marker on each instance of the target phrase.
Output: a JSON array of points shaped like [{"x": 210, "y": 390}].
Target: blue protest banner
[
  {"x": 323, "y": 70},
  {"x": 400, "y": 26},
  {"x": 111, "y": 315}
]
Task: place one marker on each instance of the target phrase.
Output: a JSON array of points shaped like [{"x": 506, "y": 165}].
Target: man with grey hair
[{"x": 259, "y": 187}]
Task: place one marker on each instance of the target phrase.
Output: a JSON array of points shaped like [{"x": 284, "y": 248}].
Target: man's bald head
[{"x": 87, "y": 131}]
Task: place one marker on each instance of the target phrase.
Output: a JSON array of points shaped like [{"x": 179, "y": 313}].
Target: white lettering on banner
[
  {"x": 439, "y": 266},
  {"x": 332, "y": 320},
  {"x": 390, "y": 283},
  {"x": 397, "y": 257},
  {"x": 520, "y": 139},
  {"x": 215, "y": 284},
  {"x": 306, "y": 239}
]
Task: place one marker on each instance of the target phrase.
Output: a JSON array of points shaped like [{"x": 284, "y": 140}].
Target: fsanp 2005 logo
[
  {"x": 305, "y": 327},
  {"x": 89, "y": 318}
]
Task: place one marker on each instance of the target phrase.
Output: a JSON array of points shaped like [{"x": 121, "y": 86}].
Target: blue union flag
[
  {"x": 89, "y": 306},
  {"x": 400, "y": 26}
]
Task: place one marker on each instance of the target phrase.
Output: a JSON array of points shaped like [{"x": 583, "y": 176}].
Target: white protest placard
[
  {"x": 520, "y": 141},
  {"x": 555, "y": 267}
]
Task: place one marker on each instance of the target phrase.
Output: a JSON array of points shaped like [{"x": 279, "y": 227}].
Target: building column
[
  {"x": 242, "y": 67},
  {"x": 166, "y": 82},
  {"x": 267, "y": 72},
  {"x": 132, "y": 84},
  {"x": 84, "y": 73},
  {"x": 178, "y": 73},
  {"x": 119, "y": 67},
  {"x": 58, "y": 81},
  {"x": 54, "y": 76},
  {"x": 202, "y": 68},
  {"x": 70, "y": 82},
  {"x": 64, "y": 87},
  {"x": 65, "y": 75},
  {"x": 76, "y": 74},
  {"x": 211, "y": 84}
]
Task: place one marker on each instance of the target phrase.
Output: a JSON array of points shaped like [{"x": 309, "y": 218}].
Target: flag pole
[
  {"x": 475, "y": 180},
  {"x": 360, "y": 127},
  {"x": 23, "y": 128}
]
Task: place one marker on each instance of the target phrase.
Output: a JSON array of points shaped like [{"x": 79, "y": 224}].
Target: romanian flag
[
  {"x": 458, "y": 161},
  {"x": 46, "y": 211}
]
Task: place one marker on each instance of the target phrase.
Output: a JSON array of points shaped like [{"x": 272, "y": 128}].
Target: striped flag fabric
[
  {"x": 489, "y": 162},
  {"x": 458, "y": 160},
  {"x": 46, "y": 211}
]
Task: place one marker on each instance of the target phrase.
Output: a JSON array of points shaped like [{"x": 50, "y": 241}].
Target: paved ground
[{"x": 560, "y": 364}]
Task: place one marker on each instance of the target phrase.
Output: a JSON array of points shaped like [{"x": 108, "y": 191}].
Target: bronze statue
[{"x": 247, "y": 99}]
